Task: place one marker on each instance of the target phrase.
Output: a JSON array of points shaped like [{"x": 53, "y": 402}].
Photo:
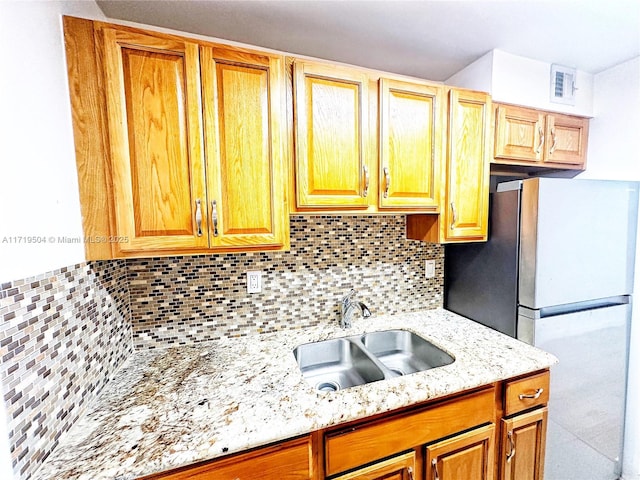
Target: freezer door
[{"x": 577, "y": 240}]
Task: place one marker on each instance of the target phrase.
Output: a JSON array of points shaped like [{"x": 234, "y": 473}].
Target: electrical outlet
[
  {"x": 254, "y": 281},
  {"x": 430, "y": 268}
]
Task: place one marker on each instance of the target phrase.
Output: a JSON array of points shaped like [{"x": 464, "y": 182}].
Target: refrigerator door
[
  {"x": 577, "y": 240},
  {"x": 472, "y": 268},
  {"x": 587, "y": 393}
]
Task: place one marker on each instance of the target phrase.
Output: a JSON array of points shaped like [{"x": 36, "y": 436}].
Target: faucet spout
[{"x": 347, "y": 308}]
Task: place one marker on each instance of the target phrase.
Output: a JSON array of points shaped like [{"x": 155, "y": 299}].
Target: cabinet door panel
[
  {"x": 244, "y": 158},
  {"x": 523, "y": 445},
  {"x": 402, "y": 467},
  {"x": 566, "y": 139},
  {"x": 410, "y": 144},
  {"x": 286, "y": 461},
  {"x": 154, "y": 134},
  {"x": 330, "y": 128},
  {"x": 466, "y": 456},
  {"x": 466, "y": 210},
  {"x": 519, "y": 133}
]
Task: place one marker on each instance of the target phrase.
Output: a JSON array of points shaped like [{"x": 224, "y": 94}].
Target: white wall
[
  {"x": 523, "y": 81},
  {"x": 614, "y": 153},
  {"x": 475, "y": 76},
  {"x": 527, "y": 82},
  {"x": 38, "y": 180}
]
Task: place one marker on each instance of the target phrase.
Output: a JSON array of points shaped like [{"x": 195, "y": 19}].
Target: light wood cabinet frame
[{"x": 105, "y": 148}]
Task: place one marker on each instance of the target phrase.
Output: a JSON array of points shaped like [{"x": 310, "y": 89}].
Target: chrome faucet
[{"x": 347, "y": 308}]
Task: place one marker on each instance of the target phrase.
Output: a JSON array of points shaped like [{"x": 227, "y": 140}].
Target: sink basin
[
  {"x": 404, "y": 352},
  {"x": 332, "y": 365}
]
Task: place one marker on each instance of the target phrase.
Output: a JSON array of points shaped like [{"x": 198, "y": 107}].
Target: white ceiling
[{"x": 428, "y": 39}]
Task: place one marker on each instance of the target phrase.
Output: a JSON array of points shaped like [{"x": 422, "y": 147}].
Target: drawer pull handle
[
  {"x": 512, "y": 446},
  {"x": 541, "y": 132},
  {"x": 434, "y": 467},
  {"x": 410, "y": 473},
  {"x": 198, "y": 217},
  {"x": 535, "y": 396}
]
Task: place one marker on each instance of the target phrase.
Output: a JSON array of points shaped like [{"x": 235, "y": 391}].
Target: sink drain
[{"x": 328, "y": 387}]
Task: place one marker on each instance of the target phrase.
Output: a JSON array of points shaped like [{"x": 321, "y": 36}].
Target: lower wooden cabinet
[
  {"x": 402, "y": 467},
  {"x": 292, "y": 460},
  {"x": 451, "y": 439},
  {"x": 523, "y": 446},
  {"x": 467, "y": 456}
]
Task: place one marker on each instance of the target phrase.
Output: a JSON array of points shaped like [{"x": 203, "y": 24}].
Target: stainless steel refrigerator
[{"x": 557, "y": 272}]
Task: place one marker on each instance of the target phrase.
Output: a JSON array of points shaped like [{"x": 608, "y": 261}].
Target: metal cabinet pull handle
[
  {"x": 410, "y": 473},
  {"x": 214, "y": 217},
  {"x": 553, "y": 141},
  {"x": 387, "y": 181},
  {"x": 453, "y": 216},
  {"x": 512, "y": 446},
  {"x": 198, "y": 217},
  {"x": 365, "y": 171},
  {"x": 434, "y": 468},
  {"x": 536, "y": 395},
  {"x": 539, "y": 147}
]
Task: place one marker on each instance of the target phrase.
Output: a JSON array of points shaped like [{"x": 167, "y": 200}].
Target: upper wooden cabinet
[
  {"x": 411, "y": 135},
  {"x": 332, "y": 165},
  {"x": 465, "y": 196},
  {"x": 193, "y": 159},
  {"x": 340, "y": 116},
  {"x": 157, "y": 166},
  {"x": 244, "y": 141},
  {"x": 529, "y": 137}
]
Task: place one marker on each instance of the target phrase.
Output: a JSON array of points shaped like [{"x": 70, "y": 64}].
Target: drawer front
[
  {"x": 287, "y": 461},
  {"x": 526, "y": 393},
  {"x": 351, "y": 447}
]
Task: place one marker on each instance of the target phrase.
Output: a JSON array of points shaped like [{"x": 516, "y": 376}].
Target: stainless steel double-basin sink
[{"x": 332, "y": 365}]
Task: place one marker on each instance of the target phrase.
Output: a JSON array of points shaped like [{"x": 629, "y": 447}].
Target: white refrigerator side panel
[{"x": 583, "y": 242}]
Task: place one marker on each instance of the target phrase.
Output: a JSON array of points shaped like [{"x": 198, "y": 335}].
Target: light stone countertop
[{"x": 172, "y": 407}]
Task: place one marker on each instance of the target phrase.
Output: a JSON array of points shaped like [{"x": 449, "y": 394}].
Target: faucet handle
[{"x": 348, "y": 296}]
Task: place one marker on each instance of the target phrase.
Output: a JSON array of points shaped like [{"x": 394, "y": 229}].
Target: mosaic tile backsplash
[
  {"x": 183, "y": 300},
  {"x": 63, "y": 335}
]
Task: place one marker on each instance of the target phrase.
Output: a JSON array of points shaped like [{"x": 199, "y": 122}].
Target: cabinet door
[
  {"x": 466, "y": 209},
  {"x": 402, "y": 467},
  {"x": 242, "y": 104},
  {"x": 523, "y": 445},
  {"x": 410, "y": 144},
  {"x": 467, "y": 456},
  {"x": 520, "y": 134},
  {"x": 331, "y": 137},
  {"x": 157, "y": 167},
  {"x": 566, "y": 139}
]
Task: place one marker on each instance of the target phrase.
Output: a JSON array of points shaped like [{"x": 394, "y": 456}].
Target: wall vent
[{"x": 563, "y": 84}]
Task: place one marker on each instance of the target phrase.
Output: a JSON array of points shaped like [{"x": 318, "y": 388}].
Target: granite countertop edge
[{"x": 167, "y": 408}]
